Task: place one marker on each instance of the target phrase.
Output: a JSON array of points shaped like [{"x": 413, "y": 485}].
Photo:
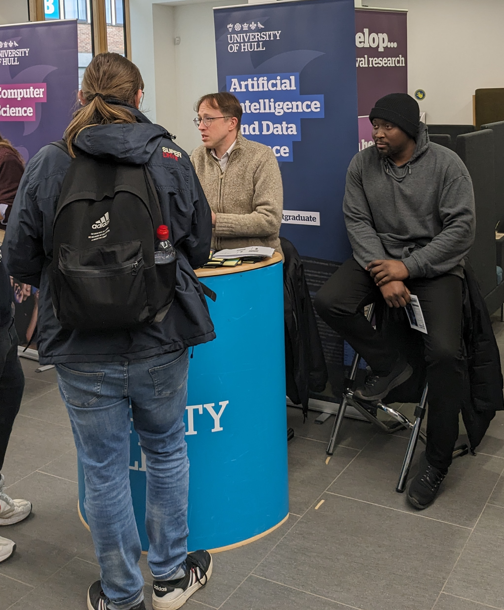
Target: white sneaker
[
  {"x": 12, "y": 511},
  {"x": 7, "y": 547}
]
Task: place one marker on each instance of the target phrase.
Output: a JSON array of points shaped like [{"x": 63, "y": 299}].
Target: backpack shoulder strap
[{"x": 61, "y": 144}]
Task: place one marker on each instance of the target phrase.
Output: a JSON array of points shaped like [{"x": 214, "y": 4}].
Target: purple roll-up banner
[
  {"x": 39, "y": 80},
  {"x": 381, "y": 46}
]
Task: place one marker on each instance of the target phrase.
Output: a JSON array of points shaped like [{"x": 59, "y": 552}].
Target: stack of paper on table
[{"x": 250, "y": 252}]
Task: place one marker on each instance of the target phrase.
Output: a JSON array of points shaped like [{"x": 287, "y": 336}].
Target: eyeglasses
[{"x": 207, "y": 121}]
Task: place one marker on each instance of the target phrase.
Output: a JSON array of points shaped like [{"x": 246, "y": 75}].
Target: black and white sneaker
[
  {"x": 172, "y": 594},
  {"x": 96, "y": 599}
]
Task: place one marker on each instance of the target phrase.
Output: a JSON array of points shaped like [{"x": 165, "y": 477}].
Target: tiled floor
[{"x": 363, "y": 547}]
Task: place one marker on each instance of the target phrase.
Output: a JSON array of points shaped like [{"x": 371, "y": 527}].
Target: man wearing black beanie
[{"x": 409, "y": 213}]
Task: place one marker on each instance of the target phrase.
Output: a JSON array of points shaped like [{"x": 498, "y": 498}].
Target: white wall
[
  {"x": 13, "y": 11},
  {"x": 196, "y": 65},
  {"x": 165, "y": 70},
  {"x": 175, "y": 76},
  {"x": 454, "y": 48},
  {"x": 142, "y": 50}
]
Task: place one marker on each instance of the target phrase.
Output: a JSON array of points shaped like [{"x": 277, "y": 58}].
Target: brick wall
[{"x": 115, "y": 38}]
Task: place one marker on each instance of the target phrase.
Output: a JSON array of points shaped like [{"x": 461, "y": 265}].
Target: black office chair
[{"x": 370, "y": 411}]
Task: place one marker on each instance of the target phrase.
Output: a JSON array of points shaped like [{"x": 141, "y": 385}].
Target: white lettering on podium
[
  {"x": 190, "y": 418},
  {"x": 216, "y": 416},
  {"x": 143, "y": 463}
]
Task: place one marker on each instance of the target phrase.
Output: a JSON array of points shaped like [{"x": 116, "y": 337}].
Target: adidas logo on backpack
[
  {"x": 103, "y": 222},
  {"x": 108, "y": 280}
]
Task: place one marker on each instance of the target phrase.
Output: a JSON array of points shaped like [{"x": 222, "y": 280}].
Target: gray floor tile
[
  {"x": 11, "y": 591},
  {"x": 491, "y": 522},
  {"x": 353, "y": 433},
  {"x": 497, "y": 496},
  {"x": 478, "y": 573},
  {"x": 261, "y": 594},
  {"x": 309, "y": 475},
  {"x": 88, "y": 553},
  {"x": 30, "y": 368},
  {"x": 35, "y": 560},
  {"x": 449, "y": 602},
  {"x": 232, "y": 567},
  {"x": 35, "y": 387},
  {"x": 49, "y": 407},
  {"x": 66, "y": 588},
  {"x": 373, "y": 477},
  {"x": 366, "y": 556},
  {"x": 54, "y": 519},
  {"x": 33, "y": 444},
  {"x": 64, "y": 466}
]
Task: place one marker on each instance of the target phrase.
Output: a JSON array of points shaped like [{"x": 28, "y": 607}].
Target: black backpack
[{"x": 102, "y": 275}]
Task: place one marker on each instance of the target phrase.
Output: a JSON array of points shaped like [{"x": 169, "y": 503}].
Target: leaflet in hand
[
  {"x": 415, "y": 315},
  {"x": 248, "y": 252}
]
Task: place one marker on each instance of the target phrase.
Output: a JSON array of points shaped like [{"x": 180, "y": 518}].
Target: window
[
  {"x": 102, "y": 24},
  {"x": 114, "y": 10}
]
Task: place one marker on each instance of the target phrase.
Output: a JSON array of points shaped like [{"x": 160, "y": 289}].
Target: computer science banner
[
  {"x": 292, "y": 66},
  {"x": 381, "y": 47},
  {"x": 38, "y": 89}
]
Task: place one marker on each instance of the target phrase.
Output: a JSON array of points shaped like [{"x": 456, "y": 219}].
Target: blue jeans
[{"x": 98, "y": 397}]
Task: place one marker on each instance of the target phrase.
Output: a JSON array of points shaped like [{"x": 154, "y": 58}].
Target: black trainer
[
  {"x": 96, "y": 599},
  {"x": 172, "y": 594},
  {"x": 425, "y": 486},
  {"x": 376, "y": 387}
]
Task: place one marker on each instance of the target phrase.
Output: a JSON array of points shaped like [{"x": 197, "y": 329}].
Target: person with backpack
[
  {"x": 85, "y": 226},
  {"x": 11, "y": 394}
]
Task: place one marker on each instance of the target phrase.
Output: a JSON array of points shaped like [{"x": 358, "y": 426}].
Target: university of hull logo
[{"x": 100, "y": 229}]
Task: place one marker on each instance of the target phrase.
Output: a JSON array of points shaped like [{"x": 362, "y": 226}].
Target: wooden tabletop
[{"x": 276, "y": 258}]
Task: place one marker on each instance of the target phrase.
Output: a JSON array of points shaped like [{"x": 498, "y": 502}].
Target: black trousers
[
  {"x": 340, "y": 302},
  {"x": 11, "y": 385}
]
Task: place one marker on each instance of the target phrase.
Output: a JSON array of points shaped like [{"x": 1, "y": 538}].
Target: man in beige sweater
[{"x": 241, "y": 179}]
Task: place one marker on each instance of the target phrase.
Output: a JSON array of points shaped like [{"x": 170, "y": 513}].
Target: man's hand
[
  {"x": 387, "y": 271},
  {"x": 214, "y": 218},
  {"x": 395, "y": 294}
]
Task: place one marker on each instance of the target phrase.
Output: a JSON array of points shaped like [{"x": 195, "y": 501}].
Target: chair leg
[
  {"x": 337, "y": 424},
  {"x": 346, "y": 394},
  {"x": 413, "y": 440}
]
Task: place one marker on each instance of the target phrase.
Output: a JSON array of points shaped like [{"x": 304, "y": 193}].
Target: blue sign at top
[{"x": 51, "y": 9}]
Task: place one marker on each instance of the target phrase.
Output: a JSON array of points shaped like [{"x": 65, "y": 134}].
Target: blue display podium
[{"x": 236, "y": 428}]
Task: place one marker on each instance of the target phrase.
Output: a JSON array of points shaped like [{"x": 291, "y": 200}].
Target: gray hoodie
[{"x": 421, "y": 213}]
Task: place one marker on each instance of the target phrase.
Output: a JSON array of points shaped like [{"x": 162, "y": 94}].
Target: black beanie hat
[{"x": 400, "y": 109}]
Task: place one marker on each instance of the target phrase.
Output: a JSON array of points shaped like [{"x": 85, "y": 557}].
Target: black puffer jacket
[
  {"x": 483, "y": 378},
  {"x": 305, "y": 366},
  {"x": 28, "y": 242}
]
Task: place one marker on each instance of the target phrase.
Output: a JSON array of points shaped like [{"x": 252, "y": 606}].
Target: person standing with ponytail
[{"x": 101, "y": 374}]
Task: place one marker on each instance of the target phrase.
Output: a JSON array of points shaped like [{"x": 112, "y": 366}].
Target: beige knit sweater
[{"x": 247, "y": 198}]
